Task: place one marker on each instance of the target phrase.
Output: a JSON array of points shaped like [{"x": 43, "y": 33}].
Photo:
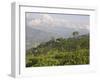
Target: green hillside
[{"x": 60, "y": 51}]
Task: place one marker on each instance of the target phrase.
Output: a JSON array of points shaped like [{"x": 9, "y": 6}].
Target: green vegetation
[{"x": 60, "y": 51}]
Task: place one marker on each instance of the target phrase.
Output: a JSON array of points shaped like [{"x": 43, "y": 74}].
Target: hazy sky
[{"x": 45, "y": 20}]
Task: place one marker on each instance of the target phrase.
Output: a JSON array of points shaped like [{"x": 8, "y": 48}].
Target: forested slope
[{"x": 60, "y": 51}]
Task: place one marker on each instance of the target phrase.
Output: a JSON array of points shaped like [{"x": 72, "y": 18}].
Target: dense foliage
[{"x": 60, "y": 51}]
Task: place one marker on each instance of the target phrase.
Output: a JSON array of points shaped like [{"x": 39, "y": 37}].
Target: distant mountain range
[{"x": 34, "y": 36}]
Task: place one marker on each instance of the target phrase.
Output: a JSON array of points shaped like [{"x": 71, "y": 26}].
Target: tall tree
[{"x": 75, "y": 34}]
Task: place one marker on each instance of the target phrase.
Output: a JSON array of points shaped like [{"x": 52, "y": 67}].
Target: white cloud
[
  {"x": 35, "y": 22},
  {"x": 48, "y": 21}
]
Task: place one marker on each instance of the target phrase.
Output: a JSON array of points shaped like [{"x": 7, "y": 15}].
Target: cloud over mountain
[
  {"x": 42, "y": 27},
  {"x": 48, "y": 20}
]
